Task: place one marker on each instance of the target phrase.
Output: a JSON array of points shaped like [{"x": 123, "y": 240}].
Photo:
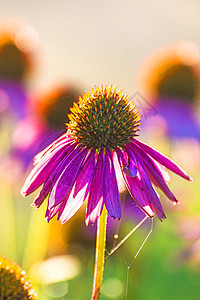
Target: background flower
[{"x": 14, "y": 283}]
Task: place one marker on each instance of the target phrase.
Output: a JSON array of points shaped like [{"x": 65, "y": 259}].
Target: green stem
[{"x": 100, "y": 255}]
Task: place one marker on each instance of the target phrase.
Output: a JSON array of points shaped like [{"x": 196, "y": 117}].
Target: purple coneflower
[{"x": 81, "y": 163}]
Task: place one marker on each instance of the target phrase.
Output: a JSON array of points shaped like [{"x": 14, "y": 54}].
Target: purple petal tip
[
  {"x": 86, "y": 222},
  {"x": 162, "y": 217},
  {"x": 35, "y": 206},
  {"x": 23, "y": 194},
  {"x": 176, "y": 202},
  {"x": 47, "y": 219}
]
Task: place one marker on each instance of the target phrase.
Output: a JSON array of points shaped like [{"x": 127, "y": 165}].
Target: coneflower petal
[
  {"x": 137, "y": 188},
  {"x": 127, "y": 161},
  {"x": 155, "y": 173},
  {"x": 95, "y": 200},
  {"x": 162, "y": 159},
  {"x": 154, "y": 199},
  {"x": 41, "y": 171},
  {"x": 48, "y": 183},
  {"x": 80, "y": 189},
  {"x": 110, "y": 189},
  {"x": 50, "y": 213},
  {"x": 67, "y": 178},
  {"x": 39, "y": 199},
  {"x": 51, "y": 148},
  {"x": 119, "y": 177}
]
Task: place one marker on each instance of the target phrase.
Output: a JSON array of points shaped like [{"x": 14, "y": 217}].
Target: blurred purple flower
[
  {"x": 44, "y": 125},
  {"x": 180, "y": 118},
  {"x": 80, "y": 164},
  {"x": 27, "y": 138},
  {"x": 13, "y": 100}
]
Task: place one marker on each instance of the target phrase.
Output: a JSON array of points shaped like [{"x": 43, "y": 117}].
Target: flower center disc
[{"x": 103, "y": 118}]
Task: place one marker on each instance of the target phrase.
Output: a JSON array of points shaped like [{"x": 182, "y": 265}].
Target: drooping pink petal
[
  {"x": 51, "y": 147},
  {"x": 54, "y": 172},
  {"x": 57, "y": 171},
  {"x": 95, "y": 212},
  {"x": 37, "y": 202},
  {"x": 120, "y": 180},
  {"x": 41, "y": 171},
  {"x": 48, "y": 182},
  {"x": 79, "y": 190},
  {"x": 137, "y": 189},
  {"x": 95, "y": 200},
  {"x": 163, "y": 170},
  {"x": 155, "y": 173},
  {"x": 50, "y": 213},
  {"x": 131, "y": 169},
  {"x": 162, "y": 159},
  {"x": 128, "y": 162},
  {"x": 110, "y": 189},
  {"x": 66, "y": 179},
  {"x": 39, "y": 155},
  {"x": 155, "y": 202}
]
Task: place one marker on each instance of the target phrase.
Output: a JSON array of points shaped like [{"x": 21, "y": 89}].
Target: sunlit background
[{"x": 50, "y": 52}]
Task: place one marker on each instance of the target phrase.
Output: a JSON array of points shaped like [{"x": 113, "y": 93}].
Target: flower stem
[{"x": 100, "y": 255}]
